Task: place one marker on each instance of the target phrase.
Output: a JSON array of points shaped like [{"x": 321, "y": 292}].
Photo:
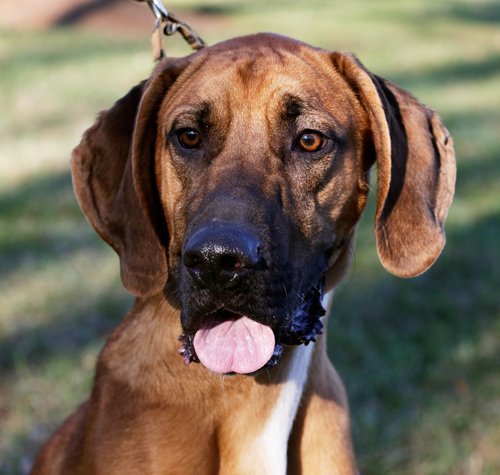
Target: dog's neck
[{"x": 241, "y": 420}]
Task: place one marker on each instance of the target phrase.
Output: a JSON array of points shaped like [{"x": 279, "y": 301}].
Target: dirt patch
[{"x": 126, "y": 17}]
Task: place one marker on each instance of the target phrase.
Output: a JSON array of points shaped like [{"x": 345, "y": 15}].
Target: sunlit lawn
[{"x": 420, "y": 357}]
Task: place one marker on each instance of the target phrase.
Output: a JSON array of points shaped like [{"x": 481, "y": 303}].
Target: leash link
[{"x": 167, "y": 23}]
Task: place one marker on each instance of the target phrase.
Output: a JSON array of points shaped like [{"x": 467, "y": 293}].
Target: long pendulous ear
[
  {"x": 416, "y": 170},
  {"x": 113, "y": 178}
]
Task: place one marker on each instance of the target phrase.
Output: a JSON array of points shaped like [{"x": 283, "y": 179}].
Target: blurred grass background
[{"x": 420, "y": 357}]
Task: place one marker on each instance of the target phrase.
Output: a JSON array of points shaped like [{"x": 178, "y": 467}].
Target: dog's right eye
[{"x": 189, "y": 138}]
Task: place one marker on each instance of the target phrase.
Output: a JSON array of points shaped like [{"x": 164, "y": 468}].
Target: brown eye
[
  {"x": 189, "y": 138},
  {"x": 311, "y": 141}
]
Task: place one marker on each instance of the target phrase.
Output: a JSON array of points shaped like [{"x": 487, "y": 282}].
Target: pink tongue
[{"x": 234, "y": 346}]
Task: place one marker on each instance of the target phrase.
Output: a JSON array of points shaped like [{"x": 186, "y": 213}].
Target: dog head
[{"x": 234, "y": 180}]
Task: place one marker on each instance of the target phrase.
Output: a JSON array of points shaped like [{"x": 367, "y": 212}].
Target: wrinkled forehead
[{"x": 262, "y": 81}]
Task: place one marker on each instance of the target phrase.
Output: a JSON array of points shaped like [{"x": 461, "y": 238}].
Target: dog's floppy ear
[
  {"x": 113, "y": 178},
  {"x": 416, "y": 170}
]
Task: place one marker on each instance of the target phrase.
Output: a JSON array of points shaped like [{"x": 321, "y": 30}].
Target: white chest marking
[{"x": 272, "y": 443}]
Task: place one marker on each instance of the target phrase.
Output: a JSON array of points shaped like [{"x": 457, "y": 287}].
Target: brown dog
[{"x": 230, "y": 183}]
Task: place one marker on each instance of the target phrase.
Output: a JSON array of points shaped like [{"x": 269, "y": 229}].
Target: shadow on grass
[
  {"x": 41, "y": 232},
  {"x": 41, "y": 222},
  {"x": 390, "y": 338},
  {"x": 483, "y": 12},
  {"x": 217, "y": 9},
  {"x": 67, "y": 332},
  {"x": 455, "y": 72},
  {"x": 80, "y": 11},
  {"x": 471, "y": 174}
]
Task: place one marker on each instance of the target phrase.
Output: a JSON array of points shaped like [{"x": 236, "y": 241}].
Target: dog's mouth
[{"x": 228, "y": 342}]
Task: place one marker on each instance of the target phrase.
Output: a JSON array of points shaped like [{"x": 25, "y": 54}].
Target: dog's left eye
[
  {"x": 189, "y": 138},
  {"x": 310, "y": 141}
]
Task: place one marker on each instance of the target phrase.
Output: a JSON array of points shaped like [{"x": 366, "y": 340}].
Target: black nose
[{"x": 217, "y": 257}]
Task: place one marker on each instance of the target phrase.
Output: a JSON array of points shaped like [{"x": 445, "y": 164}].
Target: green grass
[{"x": 420, "y": 357}]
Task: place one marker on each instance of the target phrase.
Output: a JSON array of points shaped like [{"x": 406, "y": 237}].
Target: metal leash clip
[{"x": 168, "y": 24}]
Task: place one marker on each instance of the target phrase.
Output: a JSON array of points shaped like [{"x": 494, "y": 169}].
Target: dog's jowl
[{"x": 230, "y": 183}]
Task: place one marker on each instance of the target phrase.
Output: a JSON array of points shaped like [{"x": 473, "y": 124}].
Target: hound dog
[{"x": 230, "y": 183}]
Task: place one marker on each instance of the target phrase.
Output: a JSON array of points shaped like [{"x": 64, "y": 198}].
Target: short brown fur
[{"x": 150, "y": 413}]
